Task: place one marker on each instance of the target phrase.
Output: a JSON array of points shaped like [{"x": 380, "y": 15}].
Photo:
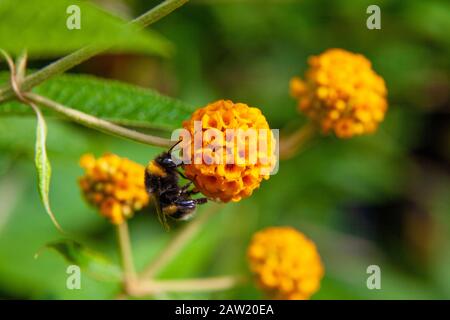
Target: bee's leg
[
  {"x": 191, "y": 192},
  {"x": 178, "y": 191},
  {"x": 169, "y": 189},
  {"x": 184, "y": 189},
  {"x": 182, "y": 174},
  {"x": 186, "y": 186},
  {"x": 201, "y": 200}
]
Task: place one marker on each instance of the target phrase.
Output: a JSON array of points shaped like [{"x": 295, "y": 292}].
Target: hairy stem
[
  {"x": 123, "y": 237},
  {"x": 158, "y": 12},
  {"x": 88, "y": 52},
  {"x": 97, "y": 123},
  {"x": 149, "y": 287},
  {"x": 177, "y": 243}
]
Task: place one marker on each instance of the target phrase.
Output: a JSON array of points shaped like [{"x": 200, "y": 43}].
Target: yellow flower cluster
[
  {"x": 114, "y": 185},
  {"x": 341, "y": 93},
  {"x": 224, "y": 180},
  {"x": 286, "y": 263}
]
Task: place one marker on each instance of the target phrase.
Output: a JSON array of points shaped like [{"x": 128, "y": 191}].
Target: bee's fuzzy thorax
[{"x": 155, "y": 169}]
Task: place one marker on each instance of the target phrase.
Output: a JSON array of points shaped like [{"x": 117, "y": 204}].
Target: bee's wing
[{"x": 161, "y": 216}]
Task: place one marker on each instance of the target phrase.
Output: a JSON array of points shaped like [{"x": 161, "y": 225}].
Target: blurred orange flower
[
  {"x": 286, "y": 263},
  {"x": 341, "y": 93},
  {"x": 114, "y": 185}
]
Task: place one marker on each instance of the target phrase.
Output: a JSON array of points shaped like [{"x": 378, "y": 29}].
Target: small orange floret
[
  {"x": 342, "y": 93},
  {"x": 286, "y": 263},
  {"x": 114, "y": 185}
]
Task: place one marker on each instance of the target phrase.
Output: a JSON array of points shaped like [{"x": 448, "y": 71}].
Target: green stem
[
  {"x": 177, "y": 243},
  {"x": 123, "y": 237},
  {"x": 148, "y": 287},
  {"x": 158, "y": 12},
  {"x": 88, "y": 52},
  {"x": 98, "y": 124}
]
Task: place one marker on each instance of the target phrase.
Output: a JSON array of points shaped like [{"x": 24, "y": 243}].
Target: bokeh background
[{"x": 383, "y": 199}]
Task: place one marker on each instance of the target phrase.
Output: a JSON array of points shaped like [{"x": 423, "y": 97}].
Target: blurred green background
[{"x": 382, "y": 199}]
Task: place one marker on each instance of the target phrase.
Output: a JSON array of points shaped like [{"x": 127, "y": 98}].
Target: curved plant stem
[
  {"x": 149, "y": 287},
  {"x": 88, "y": 52},
  {"x": 158, "y": 12},
  {"x": 123, "y": 237},
  {"x": 97, "y": 123},
  {"x": 177, "y": 243},
  {"x": 291, "y": 144}
]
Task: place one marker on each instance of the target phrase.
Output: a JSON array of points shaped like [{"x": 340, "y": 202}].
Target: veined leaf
[
  {"x": 43, "y": 167},
  {"x": 93, "y": 263},
  {"x": 41, "y": 161},
  {"x": 108, "y": 99},
  {"x": 41, "y": 27}
]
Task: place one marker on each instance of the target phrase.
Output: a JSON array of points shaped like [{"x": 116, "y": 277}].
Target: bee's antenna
[{"x": 171, "y": 148}]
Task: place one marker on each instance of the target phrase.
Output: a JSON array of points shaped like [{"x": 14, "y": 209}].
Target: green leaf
[
  {"x": 108, "y": 99},
  {"x": 93, "y": 263},
  {"x": 43, "y": 167},
  {"x": 17, "y": 138},
  {"x": 41, "y": 28}
]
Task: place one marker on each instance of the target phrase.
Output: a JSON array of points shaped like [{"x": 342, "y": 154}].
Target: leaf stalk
[{"x": 97, "y": 123}]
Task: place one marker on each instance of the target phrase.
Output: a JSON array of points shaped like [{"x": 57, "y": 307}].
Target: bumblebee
[{"x": 162, "y": 183}]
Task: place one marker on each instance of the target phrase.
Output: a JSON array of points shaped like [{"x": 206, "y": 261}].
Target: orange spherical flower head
[
  {"x": 236, "y": 152},
  {"x": 286, "y": 263},
  {"x": 341, "y": 93},
  {"x": 114, "y": 185}
]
